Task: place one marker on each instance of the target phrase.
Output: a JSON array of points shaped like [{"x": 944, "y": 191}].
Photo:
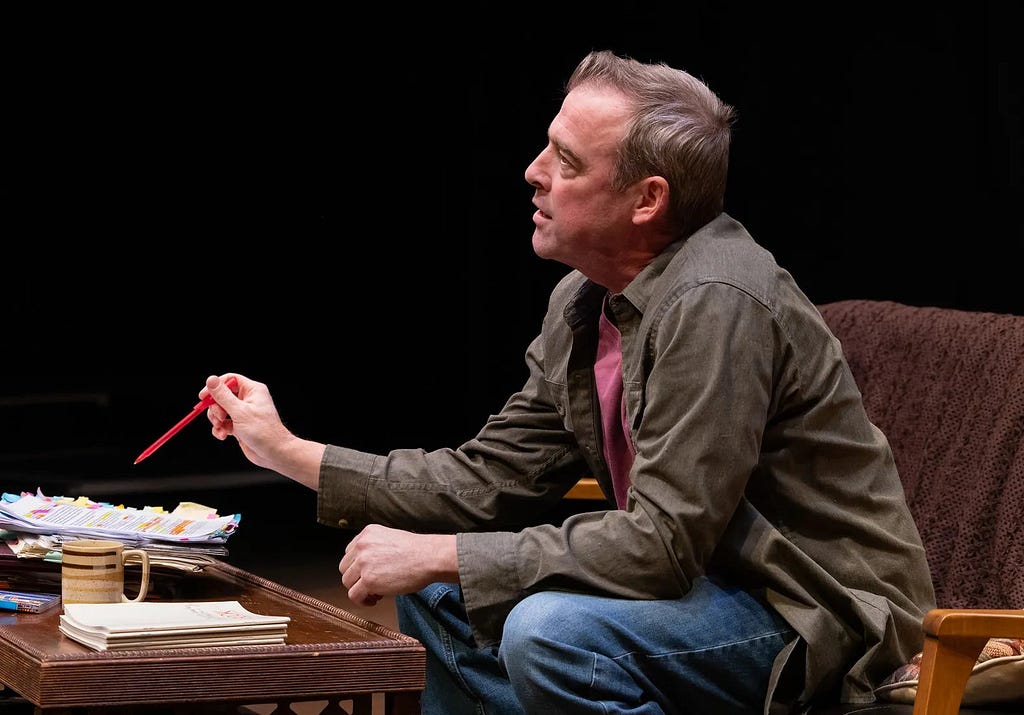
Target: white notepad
[{"x": 171, "y": 624}]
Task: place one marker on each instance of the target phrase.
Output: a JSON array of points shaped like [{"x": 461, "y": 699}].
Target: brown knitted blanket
[{"x": 947, "y": 389}]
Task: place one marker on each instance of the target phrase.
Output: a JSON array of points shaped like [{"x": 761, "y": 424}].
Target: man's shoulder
[
  {"x": 724, "y": 253},
  {"x": 728, "y": 239}
]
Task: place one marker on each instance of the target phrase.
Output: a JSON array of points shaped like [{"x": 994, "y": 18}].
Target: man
[{"x": 757, "y": 547}]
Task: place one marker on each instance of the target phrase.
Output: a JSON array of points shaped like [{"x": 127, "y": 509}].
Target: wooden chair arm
[
  {"x": 953, "y": 639},
  {"x": 585, "y": 488}
]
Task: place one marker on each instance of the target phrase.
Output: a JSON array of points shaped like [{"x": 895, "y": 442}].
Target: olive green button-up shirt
[{"x": 755, "y": 461}]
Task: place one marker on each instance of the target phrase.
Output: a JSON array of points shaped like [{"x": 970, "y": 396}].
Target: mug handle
[{"x": 144, "y": 585}]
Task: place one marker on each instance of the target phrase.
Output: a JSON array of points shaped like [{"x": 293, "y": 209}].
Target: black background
[{"x": 335, "y": 205}]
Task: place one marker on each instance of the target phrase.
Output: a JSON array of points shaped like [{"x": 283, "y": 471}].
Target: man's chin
[{"x": 541, "y": 246}]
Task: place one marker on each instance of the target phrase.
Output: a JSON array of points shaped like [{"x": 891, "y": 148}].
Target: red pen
[{"x": 231, "y": 382}]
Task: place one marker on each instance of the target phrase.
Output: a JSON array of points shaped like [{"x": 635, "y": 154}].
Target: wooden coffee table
[{"x": 329, "y": 654}]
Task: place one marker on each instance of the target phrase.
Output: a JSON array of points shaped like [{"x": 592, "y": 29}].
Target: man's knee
[{"x": 541, "y": 621}]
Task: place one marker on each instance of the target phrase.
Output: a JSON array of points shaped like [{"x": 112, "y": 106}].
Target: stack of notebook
[{"x": 149, "y": 625}]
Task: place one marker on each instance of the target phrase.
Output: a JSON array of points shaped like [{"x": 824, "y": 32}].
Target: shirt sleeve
[{"x": 517, "y": 468}]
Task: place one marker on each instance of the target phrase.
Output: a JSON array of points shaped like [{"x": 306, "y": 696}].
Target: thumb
[{"x": 223, "y": 390}]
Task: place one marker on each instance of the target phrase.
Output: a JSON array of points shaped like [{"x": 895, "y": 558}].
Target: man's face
[{"x": 581, "y": 221}]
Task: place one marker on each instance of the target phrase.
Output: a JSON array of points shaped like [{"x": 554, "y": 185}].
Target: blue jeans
[{"x": 709, "y": 652}]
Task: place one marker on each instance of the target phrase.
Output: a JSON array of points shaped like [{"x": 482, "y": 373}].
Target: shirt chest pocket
[
  {"x": 633, "y": 394},
  {"x": 560, "y": 398}
]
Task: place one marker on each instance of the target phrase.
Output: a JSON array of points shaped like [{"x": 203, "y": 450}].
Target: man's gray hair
[{"x": 679, "y": 130}]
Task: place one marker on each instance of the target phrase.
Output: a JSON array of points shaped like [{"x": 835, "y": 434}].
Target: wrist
[
  {"x": 445, "y": 558},
  {"x": 299, "y": 459}
]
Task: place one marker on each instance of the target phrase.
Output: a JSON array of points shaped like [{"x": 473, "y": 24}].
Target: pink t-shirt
[{"x": 618, "y": 449}]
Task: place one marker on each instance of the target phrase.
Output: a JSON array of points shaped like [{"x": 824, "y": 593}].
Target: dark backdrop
[{"x": 336, "y": 206}]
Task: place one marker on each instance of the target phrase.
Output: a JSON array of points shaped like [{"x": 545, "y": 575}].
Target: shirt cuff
[
  {"x": 489, "y": 580},
  {"x": 341, "y": 494}
]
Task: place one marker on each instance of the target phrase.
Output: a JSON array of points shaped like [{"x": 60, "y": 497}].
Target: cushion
[{"x": 997, "y": 677}]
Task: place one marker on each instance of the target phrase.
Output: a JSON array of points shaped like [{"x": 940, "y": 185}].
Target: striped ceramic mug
[{"x": 92, "y": 571}]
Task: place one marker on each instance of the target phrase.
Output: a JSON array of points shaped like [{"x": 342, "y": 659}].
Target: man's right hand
[{"x": 250, "y": 416}]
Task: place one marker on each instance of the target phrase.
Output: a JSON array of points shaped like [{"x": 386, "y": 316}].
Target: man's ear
[{"x": 651, "y": 200}]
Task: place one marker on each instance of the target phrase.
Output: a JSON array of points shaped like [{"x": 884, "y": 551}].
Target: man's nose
[{"x": 534, "y": 172}]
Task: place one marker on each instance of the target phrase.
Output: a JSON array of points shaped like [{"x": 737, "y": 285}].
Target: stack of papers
[
  {"x": 160, "y": 625},
  {"x": 85, "y": 519},
  {"x": 35, "y": 527},
  {"x": 162, "y": 554}
]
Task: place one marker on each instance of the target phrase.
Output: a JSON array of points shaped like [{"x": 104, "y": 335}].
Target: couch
[{"x": 947, "y": 388}]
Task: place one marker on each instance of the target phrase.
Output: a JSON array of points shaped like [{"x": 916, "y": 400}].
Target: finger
[
  {"x": 220, "y": 421},
  {"x": 355, "y": 594},
  {"x": 358, "y": 595},
  {"x": 349, "y": 575},
  {"x": 346, "y": 560}
]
